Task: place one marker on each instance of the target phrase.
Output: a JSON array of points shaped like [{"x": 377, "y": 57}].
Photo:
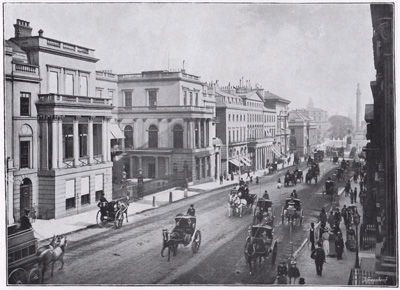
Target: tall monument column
[{"x": 358, "y": 108}]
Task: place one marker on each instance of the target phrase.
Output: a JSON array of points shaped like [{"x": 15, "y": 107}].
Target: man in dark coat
[
  {"x": 191, "y": 211},
  {"x": 319, "y": 257},
  {"x": 312, "y": 237},
  {"x": 25, "y": 223},
  {"x": 339, "y": 245}
]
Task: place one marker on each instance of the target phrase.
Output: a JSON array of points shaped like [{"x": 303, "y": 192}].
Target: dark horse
[
  {"x": 311, "y": 175},
  {"x": 50, "y": 256},
  {"x": 290, "y": 177},
  {"x": 171, "y": 241},
  {"x": 255, "y": 249}
]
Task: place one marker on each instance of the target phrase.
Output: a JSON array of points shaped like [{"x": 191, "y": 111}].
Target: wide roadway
[{"x": 131, "y": 255}]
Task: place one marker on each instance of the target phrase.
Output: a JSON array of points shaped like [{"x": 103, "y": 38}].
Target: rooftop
[{"x": 270, "y": 96}]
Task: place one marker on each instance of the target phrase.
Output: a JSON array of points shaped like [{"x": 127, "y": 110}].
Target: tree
[{"x": 340, "y": 126}]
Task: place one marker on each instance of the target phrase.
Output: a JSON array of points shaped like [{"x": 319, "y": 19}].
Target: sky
[{"x": 296, "y": 51}]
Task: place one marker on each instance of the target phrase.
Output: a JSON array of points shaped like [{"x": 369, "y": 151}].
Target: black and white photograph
[{"x": 208, "y": 144}]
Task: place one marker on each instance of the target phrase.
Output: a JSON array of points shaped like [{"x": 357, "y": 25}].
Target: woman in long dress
[{"x": 325, "y": 242}]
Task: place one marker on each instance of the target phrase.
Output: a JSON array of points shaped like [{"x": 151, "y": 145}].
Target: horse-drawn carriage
[
  {"x": 273, "y": 168},
  {"x": 299, "y": 175},
  {"x": 312, "y": 173},
  {"x": 290, "y": 177},
  {"x": 264, "y": 213},
  {"x": 184, "y": 232},
  {"x": 340, "y": 174},
  {"x": 239, "y": 204},
  {"x": 23, "y": 267},
  {"x": 259, "y": 244},
  {"x": 112, "y": 211},
  {"x": 292, "y": 210},
  {"x": 319, "y": 156},
  {"x": 27, "y": 262}
]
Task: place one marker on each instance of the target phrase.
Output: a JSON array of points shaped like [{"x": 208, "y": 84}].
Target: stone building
[
  {"x": 246, "y": 128},
  {"x": 303, "y": 132},
  {"x": 58, "y": 153},
  {"x": 320, "y": 118}
]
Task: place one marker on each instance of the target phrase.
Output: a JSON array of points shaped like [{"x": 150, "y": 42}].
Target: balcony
[
  {"x": 158, "y": 75},
  {"x": 25, "y": 70},
  {"x": 105, "y": 74},
  {"x": 166, "y": 109},
  {"x": 68, "y": 99}
]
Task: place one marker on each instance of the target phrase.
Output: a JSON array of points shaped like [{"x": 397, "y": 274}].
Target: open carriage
[
  {"x": 292, "y": 210},
  {"x": 238, "y": 206},
  {"x": 273, "y": 168},
  {"x": 112, "y": 211},
  {"x": 260, "y": 243},
  {"x": 184, "y": 232},
  {"x": 264, "y": 213},
  {"x": 23, "y": 267}
]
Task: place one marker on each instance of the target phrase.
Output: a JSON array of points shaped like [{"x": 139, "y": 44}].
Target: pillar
[
  {"x": 156, "y": 165},
  {"x": 76, "y": 140},
  {"x": 90, "y": 139},
  {"x": 60, "y": 139},
  {"x": 131, "y": 167},
  {"x": 199, "y": 132},
  {"x": 54, "y": 143},
  {"x": 104, "y": 136}
]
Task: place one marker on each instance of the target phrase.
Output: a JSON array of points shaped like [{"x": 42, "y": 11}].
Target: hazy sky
[{"x": 297, "y": 51}]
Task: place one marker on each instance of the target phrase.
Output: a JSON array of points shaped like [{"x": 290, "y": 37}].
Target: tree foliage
[{"x": 340, "y": 126}]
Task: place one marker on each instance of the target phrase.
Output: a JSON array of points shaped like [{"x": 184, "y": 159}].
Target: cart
[
  {"x": 264, "y": 213},
  {"x": 112, "y": 211}
]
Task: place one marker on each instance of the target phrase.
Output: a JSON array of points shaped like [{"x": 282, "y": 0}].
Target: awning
[
  {"x": 275, "y": 151},
  {"x": 234, "y": 162},
  {"x": 243, "y": 160},
  {"x": 116, "y": 132}
]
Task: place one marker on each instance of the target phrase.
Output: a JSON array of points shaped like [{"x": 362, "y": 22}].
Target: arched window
[
  {"x": 178, "y": 136},
  {"x": 25, "y": 146},
  {"x": 153, "y": 136},
  {"x": 128, "y": 133}
]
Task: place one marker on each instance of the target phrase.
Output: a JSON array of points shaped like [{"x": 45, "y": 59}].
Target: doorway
[{"x": 25, "y": 195}]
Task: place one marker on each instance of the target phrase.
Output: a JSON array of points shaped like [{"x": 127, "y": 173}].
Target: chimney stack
[
  {"x": 22, "y": 29},
  {"x": 40, "y": 33}
]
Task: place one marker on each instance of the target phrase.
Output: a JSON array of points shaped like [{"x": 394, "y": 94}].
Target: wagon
[
  {"x": 22, "y": 267},
  {"x": 292, "y": 210},
  {"x": 264, "y": 213},
  {"x": 260, "y": 243},
  {"x": 236, "y": 207},
  {"x": 184, "y": 232},
  {"x": 112, "y": 211}
]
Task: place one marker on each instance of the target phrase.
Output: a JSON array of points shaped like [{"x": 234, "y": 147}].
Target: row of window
[
  {"x": 68, "y": 140},
  {"x": 99, "y": 93},
  {"x": 251, "y": 118},
  {"x": 151, "y": 98},
  {"x": 72, "y": 82},
  {"x": 190, "y": 101},
  {"x": 70, "y": 201}
]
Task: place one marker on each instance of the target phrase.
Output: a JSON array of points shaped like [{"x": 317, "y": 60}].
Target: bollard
[
  {"x": 185, "y": 192},
  {"x": 170, "y": 196},
  {"x": 154, "y": 201}
]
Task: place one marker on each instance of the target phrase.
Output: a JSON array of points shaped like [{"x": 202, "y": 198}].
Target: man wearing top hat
[{"x": 25, "y": 223}]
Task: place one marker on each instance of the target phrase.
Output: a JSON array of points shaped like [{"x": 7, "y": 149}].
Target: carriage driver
[
  {"x": 294, "y": 193},
  {"x": 102, "y": 204},
  {"x": 265, "y": 195}
]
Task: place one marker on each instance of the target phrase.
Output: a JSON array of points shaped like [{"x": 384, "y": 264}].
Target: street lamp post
[
  {"x": 283, "y": 114},
  {"x": 356, "y": 219},
  {"x": 140, "y": 183},
  {"x": 185, "y": 168}
]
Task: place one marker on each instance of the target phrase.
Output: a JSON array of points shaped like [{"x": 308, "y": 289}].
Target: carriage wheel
[
  {"x": 100, "y": 222},
  {"x": 196, "y": 241},
  {"x": 274, "y": 254},
  {"x": 119, "y": 218},
  {"x": 35, "y": 276},
  {"x": 18, "y": 276}
]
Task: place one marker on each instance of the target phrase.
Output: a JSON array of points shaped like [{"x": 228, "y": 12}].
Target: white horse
[
  {"x": 50, "y": 256},
  {"x": 236, "y": 204}
]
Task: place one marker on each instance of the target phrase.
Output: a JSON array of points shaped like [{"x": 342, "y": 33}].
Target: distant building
[
  {"x": 320, "y": 118},
  {"x": 57, "y": 130},
  {"x": 303, "y": 132}
]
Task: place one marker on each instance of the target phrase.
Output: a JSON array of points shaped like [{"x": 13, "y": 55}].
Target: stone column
[
  {"x": 54, "y": 142},
  {"x": 104, "y": 137},
  {"x": 131, "y": 167},
  {"x": 156, "y": 165},
  {"x": 90, "y": 139},
  {"x": 199, "y": 132},
  {"x": 60, "y": 139},
  {"x": 76, "y": 140}
]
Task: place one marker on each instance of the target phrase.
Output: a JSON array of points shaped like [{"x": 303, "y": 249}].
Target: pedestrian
[
  {"x": 25, "y": 222},
  {"x": 331, "y": 219},
  {"x": 339, "y": 245},
  {"x": 323, "y": 219},
  {"x": 221, "y": 179},
  {"x": 325, "y": 241},
  {"x": 265, "y": 195},
  {"x": 345, "y": 216},
  {"x": 293, "y": 194},
  {"x": 361, "y": 185},
  {"x": 319, "y": 258},
  {"x": 282, "y": 273},
  {"x": 351, "y": 196},
  {"x": 347, "y": 188},
  {"x": 257, "y": 180},
  {"x": 293, "y": 272},
  {"x": 338, "y": 216},
  {"x": 225, "y": 175},
  {"x": 279, "y": 185},
  {"x": 248, "y": 174},
  {"x": 312, "y": 237},
  {"x": 355, "y": 194},
  {"x": 191, "y": 211},
  {"x": 232, "y": 177}
]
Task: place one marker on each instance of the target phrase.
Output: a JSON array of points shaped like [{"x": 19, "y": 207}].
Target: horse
[
  {"x": 55, "y": 241},
  {"x": 50, "y": 256},
  {"x": 290, "y": 177},
  {"x": 236, "y": 204},
  {"x": 170, "y": 241},
  {"x": 299, "y": 176},
  {"x": 123, "y": 206},
  {"x": 311, "y": 175},
  {"x": 254, "y": 250}
]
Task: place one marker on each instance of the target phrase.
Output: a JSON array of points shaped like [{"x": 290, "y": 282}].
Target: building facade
[
  {"x": 58, "y": 155},
  {"x": 246, "y": 128},
  {"x": 303, "y": 132}
]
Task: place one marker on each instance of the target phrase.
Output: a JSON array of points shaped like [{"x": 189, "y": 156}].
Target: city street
[{"x": 131, "y": 254}]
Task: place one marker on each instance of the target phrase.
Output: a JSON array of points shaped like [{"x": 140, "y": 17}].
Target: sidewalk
[{"x": 335, "y": 272}]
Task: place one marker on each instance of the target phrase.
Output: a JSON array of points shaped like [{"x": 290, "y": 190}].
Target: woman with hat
[
  {"x": 25, "y": 223},
  {"x": 293, "y": 272}
]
